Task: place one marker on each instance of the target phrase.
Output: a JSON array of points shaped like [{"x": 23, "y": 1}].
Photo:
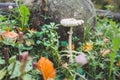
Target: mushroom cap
[{"x": 71, "y": 22}]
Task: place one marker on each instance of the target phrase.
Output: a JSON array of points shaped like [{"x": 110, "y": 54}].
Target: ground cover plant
[{"x": 27, "y": 53}]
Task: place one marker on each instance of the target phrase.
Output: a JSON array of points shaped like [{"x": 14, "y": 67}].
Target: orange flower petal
[{"x": 46, "y": 67}]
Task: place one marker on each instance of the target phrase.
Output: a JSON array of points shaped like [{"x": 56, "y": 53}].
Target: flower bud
[
  {"x": 20, "y": 57},
  {"x": 20, "y": 37},
  {"x": 23, "y": 56},
  {"x": 6, "y": 54},
  {"x": 23, "y": 59},
  {"x": 34, "y": 64}
]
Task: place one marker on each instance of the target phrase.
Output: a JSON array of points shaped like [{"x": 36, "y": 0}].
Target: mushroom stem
[
  {"x": 70, "y": 44},
  {"x": 71, "y": 23}
]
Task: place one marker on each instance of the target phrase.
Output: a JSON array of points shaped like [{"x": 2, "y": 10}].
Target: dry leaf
[
  {"x": 118, "y": 64},
  {"x": 10, "y": 35},
  {"x": 105, "y": 51},
  {"x": 105, "y": 40},
  {"x": 65, "y": 65}
]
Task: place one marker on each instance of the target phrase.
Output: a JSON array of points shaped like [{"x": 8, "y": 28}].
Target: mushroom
[{"x": 70, "y": 22}]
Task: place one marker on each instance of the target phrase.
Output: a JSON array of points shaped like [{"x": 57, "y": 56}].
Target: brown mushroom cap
[{"x": 71, "y": 22}]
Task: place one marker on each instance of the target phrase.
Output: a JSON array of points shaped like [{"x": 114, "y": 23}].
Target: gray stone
[
  {"x": 60, "y": 9},
  {"x": 78, "y": 9}
]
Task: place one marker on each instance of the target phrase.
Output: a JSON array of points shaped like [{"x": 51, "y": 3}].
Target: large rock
[
  {"x": 78, "y": 9},
  {"x": 60, "y": 9}
]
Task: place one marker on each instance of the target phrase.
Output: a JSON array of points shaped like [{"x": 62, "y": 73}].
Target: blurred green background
[{"x": 113, "y": 5}]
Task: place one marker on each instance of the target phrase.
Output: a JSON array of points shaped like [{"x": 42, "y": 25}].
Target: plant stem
[
  {"x": 79, "y": 75},
  {"x": 14, "y": 65}
]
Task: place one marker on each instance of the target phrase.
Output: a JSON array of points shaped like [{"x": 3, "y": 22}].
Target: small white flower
[{"x": 10, "y": 7}]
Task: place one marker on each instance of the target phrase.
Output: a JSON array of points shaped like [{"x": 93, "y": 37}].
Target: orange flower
[
  {"x": 10, "y": 35},
  {"x": 87, "y": 47},
  {"x": 46, "y": 67}
]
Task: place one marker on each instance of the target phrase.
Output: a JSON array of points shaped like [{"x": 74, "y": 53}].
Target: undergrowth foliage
[{"x": 31, "y": 54}]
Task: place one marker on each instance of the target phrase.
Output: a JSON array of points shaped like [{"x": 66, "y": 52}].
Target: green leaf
[
  {"x": 29, "y": 42},
  {"x": 28, "y": 66},
  {"x": 38, "y": 42},
  {"x": 12, "y": 59},
  {"x": 99, "y": 76},
  {"x": 80, "y": 71},
  {"x": 24, "y": 13},
  {"x": 116, "y": 45},
  {"x": 38, "y": 34},
  {"x": 14, "y": 69},
  {"x": 58, "y": 77},
  {"x": 2, "y": 18},
  {"x": 2, "y": 61},
  {"x": 116, "y": 41},
  {"x": 64, "y": 43},
  {"x": 24, "y": 10},
  {"x": 27, "y": 77},
  {"x": 2, "y": 73},
  {"x": 22, "y": 47}
]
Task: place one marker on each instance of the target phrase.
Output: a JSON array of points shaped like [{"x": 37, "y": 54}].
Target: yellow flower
[
  {"x": 87, "y": 46},
  {"x": 20, "y": 28}
]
